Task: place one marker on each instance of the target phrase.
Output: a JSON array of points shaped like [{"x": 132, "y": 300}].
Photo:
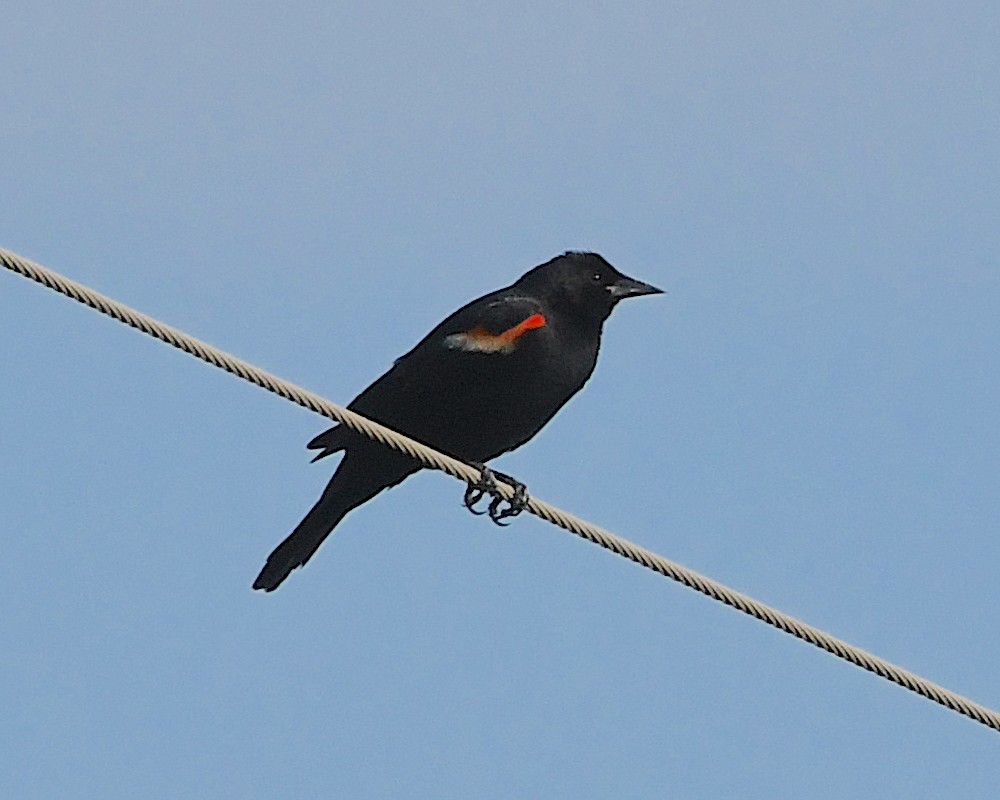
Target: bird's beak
[{"x": 630, "y": 287}]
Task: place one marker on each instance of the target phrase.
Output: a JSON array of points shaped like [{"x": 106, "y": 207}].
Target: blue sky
[{"x": 809, "y": 415}]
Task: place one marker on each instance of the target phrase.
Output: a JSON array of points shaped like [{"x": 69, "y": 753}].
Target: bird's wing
[
  {"x": 500, "y": 316},
  {"x": 495, "y": 324}
]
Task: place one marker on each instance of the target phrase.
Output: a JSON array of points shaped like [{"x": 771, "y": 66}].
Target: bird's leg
[
  {"x": 477, "y": 490},
  {"x": 487, "y": 485}
]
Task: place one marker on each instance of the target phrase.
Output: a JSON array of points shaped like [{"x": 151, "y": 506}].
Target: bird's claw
[
  {"x": 474, "y": 492},
  {"x": 515, "y": 505},
  {"x": 477, "y": 490},
  {"x": 487, "y": 485}
]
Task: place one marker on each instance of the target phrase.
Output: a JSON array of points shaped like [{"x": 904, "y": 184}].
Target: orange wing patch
[{"x": 479, "y": 340}]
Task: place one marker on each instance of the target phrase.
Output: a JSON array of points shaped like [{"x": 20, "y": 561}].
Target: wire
[{"x": 464, "y": 472}]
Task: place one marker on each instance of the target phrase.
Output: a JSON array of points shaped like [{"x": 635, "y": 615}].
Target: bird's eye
[{"x": 597, "y": 277}]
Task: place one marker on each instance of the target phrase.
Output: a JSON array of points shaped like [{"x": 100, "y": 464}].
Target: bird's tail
[
  {"x": 358, "y": 478},
  {"x": 305, "y": 540}
]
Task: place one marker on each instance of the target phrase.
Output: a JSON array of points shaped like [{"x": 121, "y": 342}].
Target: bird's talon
[
  {"x": 515, "y": 505},
  {"x": 496, "y": 514},
  {"x": 477, "y": 490},
  {"x": 473, "y": 494},
  {"x": 487, "y": 485}
]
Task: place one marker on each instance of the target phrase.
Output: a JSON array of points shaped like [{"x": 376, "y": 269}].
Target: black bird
[{"x": 481, "y": 383}]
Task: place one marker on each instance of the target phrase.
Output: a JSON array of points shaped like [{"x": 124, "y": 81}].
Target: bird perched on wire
[{"x": 480, "y": 384}]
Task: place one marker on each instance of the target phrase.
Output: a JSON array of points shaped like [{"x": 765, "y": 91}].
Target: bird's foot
[
  {"x": 487, "y": 485},
  {"x": 515, "y": 505}
]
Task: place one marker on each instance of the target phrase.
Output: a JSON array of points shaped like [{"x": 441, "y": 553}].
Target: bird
[{"x": 480, "y": 384}]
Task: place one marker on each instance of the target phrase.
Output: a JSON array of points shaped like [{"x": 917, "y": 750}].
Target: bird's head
[{"x": 583, "y": 284}]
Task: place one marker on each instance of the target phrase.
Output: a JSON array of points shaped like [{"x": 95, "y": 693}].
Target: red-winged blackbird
[{"x": 481, "y": 383}]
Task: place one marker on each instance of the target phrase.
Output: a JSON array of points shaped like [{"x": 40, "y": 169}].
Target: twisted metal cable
[{"x": 464, "y": 472}]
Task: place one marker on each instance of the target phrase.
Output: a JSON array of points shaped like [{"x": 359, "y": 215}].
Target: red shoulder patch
[
  {"x": 532, "y": 323},
  {"x": 482, "y": 341}
]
